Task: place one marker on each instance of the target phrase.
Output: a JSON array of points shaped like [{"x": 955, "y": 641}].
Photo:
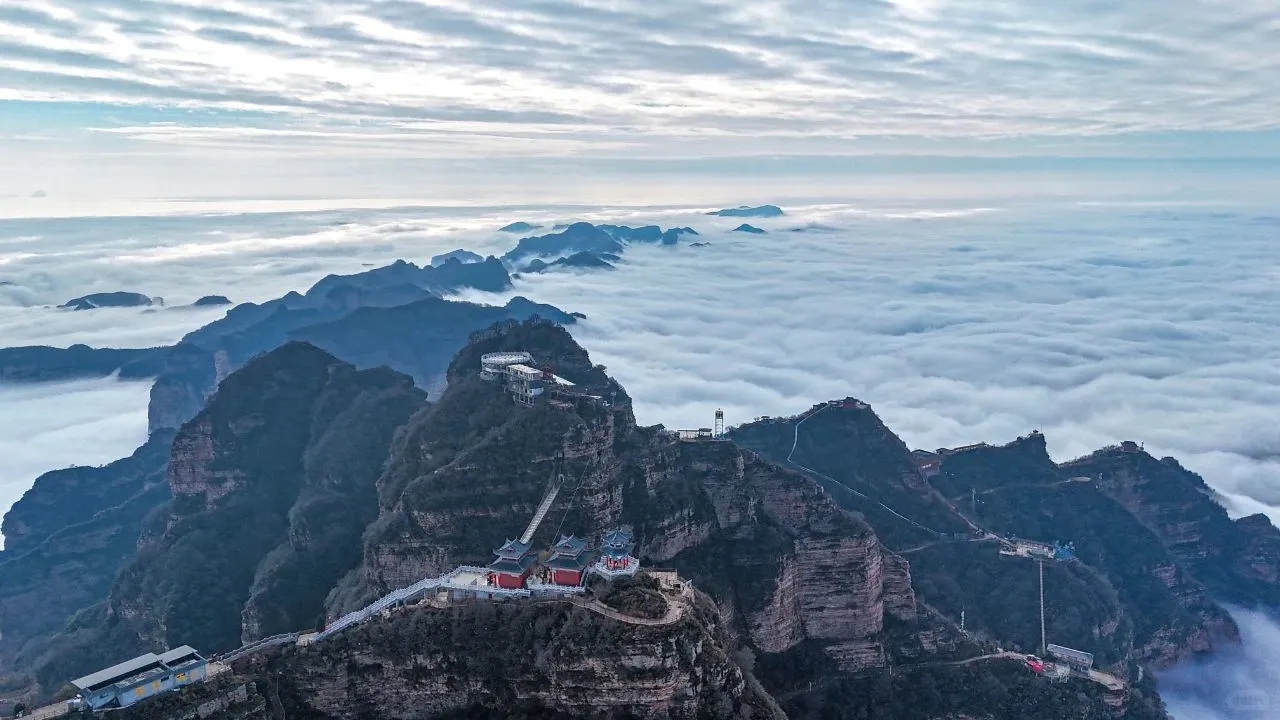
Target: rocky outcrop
[
  {"x": 188, "y": 378},
  {"x": 273, "y": 484},
  {"x": 773, "y": 550},
  {"x": 395, "y": 326},
  {"x": 1238, "y": 561},
  {"x": 571, "y": 662},
  {"x": 1027, "y": 495}
]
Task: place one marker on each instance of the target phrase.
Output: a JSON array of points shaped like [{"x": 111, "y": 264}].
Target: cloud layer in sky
[
  {"x": 556, "y": 75},
  {"x": 127, "y": 84}
]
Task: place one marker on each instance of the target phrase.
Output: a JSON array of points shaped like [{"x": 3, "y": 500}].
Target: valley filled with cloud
[{"x": 1091, "y": 320}]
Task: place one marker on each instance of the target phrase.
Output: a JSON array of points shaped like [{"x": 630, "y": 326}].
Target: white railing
[
  {"x": 395, "y": 597},
  {"x": 605, "y": 571}
]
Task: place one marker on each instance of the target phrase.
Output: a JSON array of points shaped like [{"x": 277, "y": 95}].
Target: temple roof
[
  {"x": 514, "y": 566},
  {"x": 570, "y": 545},
  {"x": 569, "y": 562},
  {"x": 512, "y": 548},
  {"x": 617, "y": 538}
]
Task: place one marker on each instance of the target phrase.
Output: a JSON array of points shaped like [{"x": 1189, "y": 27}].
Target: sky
[{"x": 113, "y": 106}]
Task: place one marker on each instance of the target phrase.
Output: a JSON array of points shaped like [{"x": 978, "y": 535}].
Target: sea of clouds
[{"x": 959, "y": 320}]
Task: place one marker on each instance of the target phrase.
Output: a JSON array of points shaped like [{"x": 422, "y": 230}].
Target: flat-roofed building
[
  {"x": 142, "y": 677},
  {"x": 1078, "y": 660}
]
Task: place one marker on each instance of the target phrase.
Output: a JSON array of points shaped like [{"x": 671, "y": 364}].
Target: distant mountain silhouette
[
  {"x": 761, "y": 211},
  {"x": 108, "y": 299},
  {"x": 462, "y": 256}
]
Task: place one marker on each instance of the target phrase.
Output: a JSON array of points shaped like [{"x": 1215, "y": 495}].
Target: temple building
[
  {"x": 615, "y": 555},
  {"x": 568, "y": 561},
  {"x": 514, "y": 563}
]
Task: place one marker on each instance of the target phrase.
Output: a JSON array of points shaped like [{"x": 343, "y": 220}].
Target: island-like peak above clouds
[
  {"x": 462, "y": 256},
  {"x": 111, "y": 299},
  {"x": 745, "y": 228},
  {"x": 761, "y": 211},
  {"x": 582, "y": 259},
  {"x": 601, "y": 240},
  {"x": 211, "y": 300},
  {"x": 518, "y": 227}
]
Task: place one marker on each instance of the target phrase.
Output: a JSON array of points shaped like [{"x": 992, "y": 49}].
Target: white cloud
[
  {"x": 1092, "y": 326},
  {"x": 49, "y": 426},
  {"x": 1093, "y": 315},
  {"x": 690, "y": 77},
  {"x": 1237, "y": 684}
]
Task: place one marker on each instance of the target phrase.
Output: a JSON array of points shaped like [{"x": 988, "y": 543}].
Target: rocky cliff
[
  {"x": 308, "y": 487},
  {"x": 1237, "y": 560},
  {"x": 187, "y": 378},
  {"x": 272, "y": 485},
  {"x": 779, "y": 557},
  {"x": 1125, "y": 598},
  {"x": 508, "y": 660},
  {"x": 1025, "y": 494}
]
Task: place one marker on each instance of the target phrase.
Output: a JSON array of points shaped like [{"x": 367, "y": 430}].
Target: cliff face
[
  {"x": 272, "y": 484},
  {"x": 775, "y": 552},
  {"x": 1020, "y": 491},
  {"x": 188, "y": 378},
  {"x": 569, "y": 660},
  {"x": 508, "y": 660},
  {"x": 1238, "y": 561},
  {"x": 1128, "y": 598}
]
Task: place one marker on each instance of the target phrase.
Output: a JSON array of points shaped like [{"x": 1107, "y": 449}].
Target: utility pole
[
  {"x": 1043, "y": 643},
  {"x": 961, "y": 619}
]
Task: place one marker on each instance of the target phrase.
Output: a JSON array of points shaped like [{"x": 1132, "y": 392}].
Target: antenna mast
[{"x": 1043, "y": 644}]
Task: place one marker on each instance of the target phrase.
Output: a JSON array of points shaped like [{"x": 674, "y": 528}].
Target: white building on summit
[{"x": 525, "y": 382}]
